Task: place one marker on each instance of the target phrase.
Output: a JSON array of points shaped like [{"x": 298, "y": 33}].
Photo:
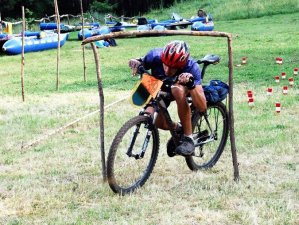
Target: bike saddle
[{"x": 209, "y": 59}]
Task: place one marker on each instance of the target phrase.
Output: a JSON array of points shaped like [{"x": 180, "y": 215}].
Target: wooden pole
[
  {"x": 0, "y": 24},
  {"x": 83, "y": 47},
  {"x": 101, "y": 103},
  {"x": 151, "y": 33},
  {"x": 58, "y": 44},
  {"x": 231, "y": 121},
  {"x": 23, "y": 57}
]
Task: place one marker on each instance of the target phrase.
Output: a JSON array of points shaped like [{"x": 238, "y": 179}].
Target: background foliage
[{"x": 12, "y": 8}]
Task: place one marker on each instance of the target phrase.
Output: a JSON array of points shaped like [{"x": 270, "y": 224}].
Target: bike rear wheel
[
  {"x": 126, "y": 169},
  {"x": 210, "y": 136}
]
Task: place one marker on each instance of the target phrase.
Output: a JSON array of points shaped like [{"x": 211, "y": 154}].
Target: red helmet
[{"x": 175, "y": 54}]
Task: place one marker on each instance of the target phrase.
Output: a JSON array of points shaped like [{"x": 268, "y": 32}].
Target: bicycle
[{"x": 134, "y": 150}]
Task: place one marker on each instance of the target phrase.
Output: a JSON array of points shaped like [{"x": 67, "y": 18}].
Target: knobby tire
[
  {"x": 125, "y": 174},
  {"x": 207, "y": 155}
]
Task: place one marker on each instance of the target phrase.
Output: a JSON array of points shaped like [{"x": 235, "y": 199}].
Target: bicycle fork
[{"x": 148, "y": 135}]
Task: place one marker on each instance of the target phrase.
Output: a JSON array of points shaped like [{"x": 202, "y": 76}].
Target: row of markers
[
  {"x": 283, "y": 76},
  {"x": 251, "y": 100},
  {"x": 270, "y": 90}
]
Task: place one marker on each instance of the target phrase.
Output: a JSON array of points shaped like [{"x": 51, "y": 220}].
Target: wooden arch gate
[{"x": 135, "y": 34}]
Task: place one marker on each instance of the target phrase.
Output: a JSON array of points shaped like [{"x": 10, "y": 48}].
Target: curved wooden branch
[{"x": 151, "y": 33}]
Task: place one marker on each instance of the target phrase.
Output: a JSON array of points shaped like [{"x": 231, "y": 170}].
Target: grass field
[
  {"x": 228, "y": 10},
  {"x": 59, "y": 180}
]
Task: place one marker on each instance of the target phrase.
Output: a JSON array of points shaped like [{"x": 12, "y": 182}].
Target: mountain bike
[{"x": 134, "y": 150}]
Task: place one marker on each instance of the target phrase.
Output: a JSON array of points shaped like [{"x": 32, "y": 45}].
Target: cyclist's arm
[
  {"x": 149, "y": 61},
  {"x": 192, "y": 80},
  {"x": 135, "y": 64}
]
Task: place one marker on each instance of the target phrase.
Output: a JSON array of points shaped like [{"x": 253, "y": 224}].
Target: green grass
[
  {"x": 227, "y": 10},
  {"x": 59, "y": 180}
]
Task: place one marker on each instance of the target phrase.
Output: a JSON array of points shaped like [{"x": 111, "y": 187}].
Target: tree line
[{"x": 41, "y": 8}]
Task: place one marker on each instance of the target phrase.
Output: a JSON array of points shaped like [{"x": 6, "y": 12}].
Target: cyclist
[{"x": 173, "y": 65}]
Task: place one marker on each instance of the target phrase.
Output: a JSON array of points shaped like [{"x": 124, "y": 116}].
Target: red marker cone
[
  {"x": 279, "y": 61},
  {"x": 291, "y": 81},
  {"x": 295, "y": 71},
  {"x": 285, "y": 90},
  {"x": 277, "y": 79},
  {"x": 251, "y": 102},
  {"x": 277, "y": 107},
  {"x": 249, "y": 94},
  {"x": 269, "y": 91},
  {"x": 244, "y": 60},
  {"x": 283, "y": 75}
]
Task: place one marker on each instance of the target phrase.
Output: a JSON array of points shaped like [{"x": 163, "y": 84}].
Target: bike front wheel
[
  {"x": 132, "y": 155},
  {"x": 210, "y": 134}
]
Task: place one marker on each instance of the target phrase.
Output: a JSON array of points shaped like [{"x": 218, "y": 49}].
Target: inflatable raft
[
  {"x": 53, "y": 26},
  {"x": 4, "y": 38},
  {"x": 33, "y": 43},
  {"x": 93, "y": 32},
  {"x": 202, "y": 26},
  {"x": 98, "y": 31}
]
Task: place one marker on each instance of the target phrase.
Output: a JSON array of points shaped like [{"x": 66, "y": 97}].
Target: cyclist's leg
[
  {"x": 160, "y": 120},
  {"x": 186, "y": 147},
  {"x": 198, "y": 98},
  {"x": 179, "y": 93}
]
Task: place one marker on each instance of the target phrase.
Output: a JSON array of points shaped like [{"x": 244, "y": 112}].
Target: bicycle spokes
[{"x": 210, "y": 135}]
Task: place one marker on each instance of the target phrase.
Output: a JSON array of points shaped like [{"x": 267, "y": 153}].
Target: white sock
[{"x": 189, "y": 136}]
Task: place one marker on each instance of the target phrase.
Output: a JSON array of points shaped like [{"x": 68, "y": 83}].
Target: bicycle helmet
[{"x": 175, "y": 54}]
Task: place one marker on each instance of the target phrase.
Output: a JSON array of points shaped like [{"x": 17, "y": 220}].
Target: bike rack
[{"x": 150, "y": 33}]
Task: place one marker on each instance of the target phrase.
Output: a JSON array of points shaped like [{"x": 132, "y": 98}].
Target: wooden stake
[
  {"x": 134, "y": 34},
  {"x": 58, "y": 44},
  {"x": 231, "y": 120},
  {"x": 0, "y": 24},
  {"x": 101, "y": 103},
  {"x": 23, "y": 57},
  {"x": 83, "y": 47}
]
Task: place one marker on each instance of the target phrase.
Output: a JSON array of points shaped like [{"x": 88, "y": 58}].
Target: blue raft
[
  {"x": 4, "y": 38},
  {"x": 49, "y": 26},
  {"x": 33, "y": 43},
  {"x": 98, "y": 31},
  {"x": 201, "y": 26}
]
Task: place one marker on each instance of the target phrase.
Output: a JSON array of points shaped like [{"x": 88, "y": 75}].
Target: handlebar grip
[{"x": 141, "y": 70}]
